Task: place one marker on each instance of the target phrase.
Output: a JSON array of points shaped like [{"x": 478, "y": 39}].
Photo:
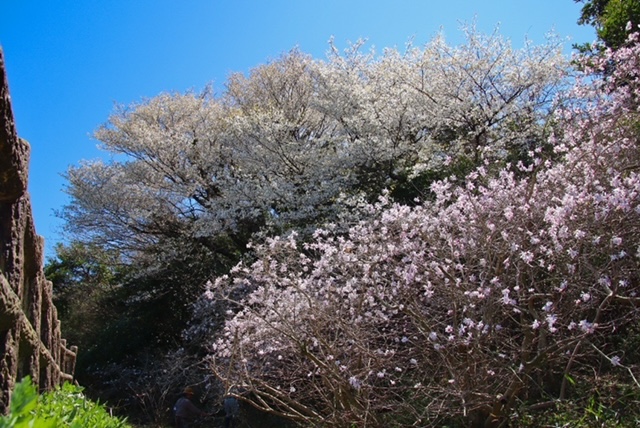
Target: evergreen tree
[{"x": 613, "y": 20}]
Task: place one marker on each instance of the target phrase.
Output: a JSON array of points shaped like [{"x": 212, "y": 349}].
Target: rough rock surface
[{"x": 30, "y": 340}]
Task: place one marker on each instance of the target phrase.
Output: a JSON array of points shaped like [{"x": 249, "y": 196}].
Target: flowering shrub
[{"x": 466, "y": 307}]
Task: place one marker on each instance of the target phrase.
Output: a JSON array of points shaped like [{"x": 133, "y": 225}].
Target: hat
[{"x": 188, "y": 390}]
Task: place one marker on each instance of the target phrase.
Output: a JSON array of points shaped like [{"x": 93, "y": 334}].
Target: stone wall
[{"x": 30, "y": 340}]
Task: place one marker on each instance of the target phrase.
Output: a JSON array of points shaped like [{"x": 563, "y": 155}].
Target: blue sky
[{"x": 69, "y": 62}]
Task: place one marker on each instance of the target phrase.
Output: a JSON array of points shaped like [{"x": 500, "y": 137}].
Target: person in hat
[{"x": 185, "y": 411}]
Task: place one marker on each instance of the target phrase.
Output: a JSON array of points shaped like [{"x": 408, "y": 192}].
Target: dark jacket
[{"x": 185, "y": 412}]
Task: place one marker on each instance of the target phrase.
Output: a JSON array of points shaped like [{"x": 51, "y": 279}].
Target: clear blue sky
[{"x": 70, "y": 61}]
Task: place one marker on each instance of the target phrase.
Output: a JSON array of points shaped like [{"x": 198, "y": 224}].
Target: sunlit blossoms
[
  {"x": 298, "y": 142},
  {"x": 493, "y": 293}
]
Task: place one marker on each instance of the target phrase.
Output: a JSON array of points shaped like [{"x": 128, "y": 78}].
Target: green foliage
[
  {"x": 101, "y": 300},
  {"x": 23, "y": 405},
  {"x": 66, "y": 406},
  {"x": 82, "y": 276},
  {"x": 618, "y": 13},
  {"x": 611, "y": 401},
  {"x": 85, "y": 278},
  {"x": 591, "y": 11},
  {"x": 610, "y": 18}
]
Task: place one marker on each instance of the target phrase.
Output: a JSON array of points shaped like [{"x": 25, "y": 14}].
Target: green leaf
[
  {"x": 24, "y": 398},
  {"x": 570, "y": 379}
]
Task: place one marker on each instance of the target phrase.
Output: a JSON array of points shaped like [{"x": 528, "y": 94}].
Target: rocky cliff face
[{"x": 30, "y": 340}]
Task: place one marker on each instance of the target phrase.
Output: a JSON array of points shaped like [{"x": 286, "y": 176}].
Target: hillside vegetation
[{"x": 444, "y": 236}]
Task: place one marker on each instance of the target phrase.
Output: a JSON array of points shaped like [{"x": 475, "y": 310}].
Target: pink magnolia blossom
[{"x": 508, "y": 273}]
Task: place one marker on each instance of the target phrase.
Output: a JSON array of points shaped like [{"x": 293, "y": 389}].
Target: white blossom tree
[
  {"x": 491, "y": 297},
  {"x": 291, "y": 144}
]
